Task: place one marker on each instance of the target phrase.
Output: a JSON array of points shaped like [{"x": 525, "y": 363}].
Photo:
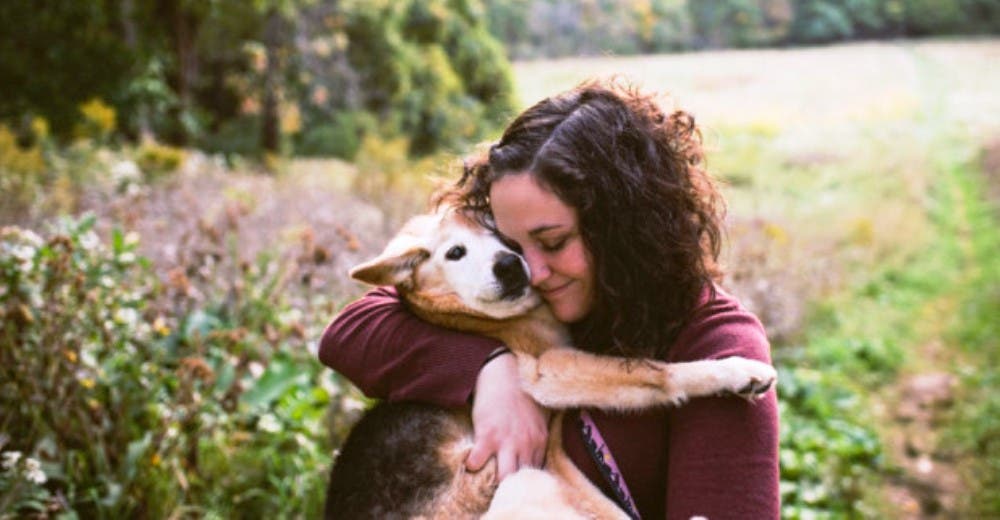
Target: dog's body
[{"x": 456, "y": 274}]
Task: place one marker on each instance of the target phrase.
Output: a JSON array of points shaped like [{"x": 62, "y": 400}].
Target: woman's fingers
[{"x": 508, "y": 423}]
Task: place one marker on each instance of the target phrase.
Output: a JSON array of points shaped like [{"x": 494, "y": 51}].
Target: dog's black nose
[{"x": 510, "y": 273}]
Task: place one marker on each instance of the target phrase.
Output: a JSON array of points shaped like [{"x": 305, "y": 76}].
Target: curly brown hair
[{"x": 649, "y": 213}]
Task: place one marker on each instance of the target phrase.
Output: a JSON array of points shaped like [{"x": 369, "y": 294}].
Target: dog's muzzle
[{"x": 510, "y": 273}]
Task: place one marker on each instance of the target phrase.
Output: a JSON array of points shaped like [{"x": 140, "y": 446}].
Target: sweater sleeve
[
  {"x": 389, "y": 353},
  {"x": 723, "y": 451}
]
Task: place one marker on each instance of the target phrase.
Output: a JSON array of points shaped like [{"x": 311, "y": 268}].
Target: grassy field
[{"x": 179, "y": 321}]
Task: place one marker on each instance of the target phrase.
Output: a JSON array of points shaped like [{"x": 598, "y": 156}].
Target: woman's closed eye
[{"x": 552, "y": 246}]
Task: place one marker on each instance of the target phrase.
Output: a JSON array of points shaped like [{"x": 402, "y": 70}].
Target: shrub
[
  {"x": 828, "y": 454},
  {"x": 339, "y": 137},
  {"x": 21, "y": 172},
  {"x": 98, "y": 121},
  {"x": 145, "y": 398},
  {"x": 156, "y": 160}
]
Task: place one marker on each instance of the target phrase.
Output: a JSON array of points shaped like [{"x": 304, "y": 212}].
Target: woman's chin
[{"x": 567, "y": 312}]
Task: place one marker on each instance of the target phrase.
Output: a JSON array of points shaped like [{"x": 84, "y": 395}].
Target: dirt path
[{"x": 926, "y": 481}]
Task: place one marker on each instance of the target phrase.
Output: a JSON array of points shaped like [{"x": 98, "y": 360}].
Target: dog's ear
[{"x": 390, "y": 269}]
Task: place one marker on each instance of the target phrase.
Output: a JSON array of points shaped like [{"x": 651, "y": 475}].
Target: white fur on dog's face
[{"x": 442, "y": 256}]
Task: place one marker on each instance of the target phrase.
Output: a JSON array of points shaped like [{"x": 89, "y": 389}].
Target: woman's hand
[{"x": 508, "y": 423}]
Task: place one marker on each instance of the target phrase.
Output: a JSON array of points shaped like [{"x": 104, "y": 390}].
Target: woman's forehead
[{"x": 522, "y": 205}]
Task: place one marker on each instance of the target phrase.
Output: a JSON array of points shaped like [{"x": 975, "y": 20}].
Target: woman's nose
[{"x": 539, "y": 269}]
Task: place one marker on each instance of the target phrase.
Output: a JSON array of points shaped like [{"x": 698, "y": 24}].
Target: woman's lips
[{"x": 553, "y": 293}]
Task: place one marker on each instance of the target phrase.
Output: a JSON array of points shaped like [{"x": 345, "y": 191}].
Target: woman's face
[{"x": 547, "y": 232}]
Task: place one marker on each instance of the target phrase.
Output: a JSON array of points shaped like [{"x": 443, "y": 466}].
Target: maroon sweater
[{"x": 715, "y": 457}]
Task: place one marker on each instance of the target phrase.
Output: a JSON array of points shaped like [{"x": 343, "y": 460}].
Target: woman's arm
[
  {"x": 723, "y": 451},
  {"x": 723, "y": 459},
  {"x": 391, "y": 354}
]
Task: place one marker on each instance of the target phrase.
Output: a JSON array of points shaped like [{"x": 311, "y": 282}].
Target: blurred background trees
[
  {"x": 292, "y": 76},
  {"x": 552, "y": 28},
  {"x": 313, "y": 77}
]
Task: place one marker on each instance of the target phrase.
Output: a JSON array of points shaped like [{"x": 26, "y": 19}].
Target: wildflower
[
  {"x": 87, "y": 383},
  {"x": 305, "y": 442},
  {"x": 23, "y": 252},
  {"x": 256, "y": 369},
  {"x": 89, "y": 241},
  {"x": 40, "y": 127},
  {"x": 160, "y": 326},
  {"x": 70, "y": 355},
  {"x": 269, "y": 423},
  {"x": 99, "y": 114},
  {"x": 125, "y": 172},
  {"x": 155, "y": 459},
  {"x": 33, "y": 471},
  {"x": 127, "y": 316},
  {"x": 10, "y": 459}
]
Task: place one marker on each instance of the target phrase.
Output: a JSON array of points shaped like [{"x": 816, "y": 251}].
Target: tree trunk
[
  {"x": 132, "y": 41},
  {"x": 185, "y": 26},
  {"x": 270, "y": 126}
]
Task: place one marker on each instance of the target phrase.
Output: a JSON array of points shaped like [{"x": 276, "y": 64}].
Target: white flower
[
  {"x": 269, "y": 423},
  {"x": 89, "y": 240},
  {"x": 31, "y": 238},
  {"x": 127, "y": 316},
  {"x": 33, "y": 471},
  {"x": 10, "y": 459},
  {"x": 256, "y": 369},
  {"x": 125, "y": 172},
  {"x": 305, "y": 442},
  {"x": 23, "y": 252}
]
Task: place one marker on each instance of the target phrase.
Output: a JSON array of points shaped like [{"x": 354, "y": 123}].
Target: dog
[{"x": 406, "y": 460}]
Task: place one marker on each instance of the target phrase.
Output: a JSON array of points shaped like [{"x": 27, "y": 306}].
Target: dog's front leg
[{"x": 564, "y": 378}]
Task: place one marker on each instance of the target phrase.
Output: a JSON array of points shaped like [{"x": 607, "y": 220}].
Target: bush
[
  {"x": 145, "y": 398},
  {"x": 430, "y": 71},
  {"x": 21, "y": 172},
  {"x": 339, "y": 137},
  {"x": 829, "y": 454},
  {"x": 157, "y": 160}
]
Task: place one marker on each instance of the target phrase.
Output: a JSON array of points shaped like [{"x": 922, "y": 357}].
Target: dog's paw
[{"x": 749, "y": 379}]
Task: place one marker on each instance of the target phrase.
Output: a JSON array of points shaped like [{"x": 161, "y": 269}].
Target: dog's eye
[{"x": 455, "y": 253}]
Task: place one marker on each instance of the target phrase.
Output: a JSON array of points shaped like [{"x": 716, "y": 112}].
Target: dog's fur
[{"x": 407, "y": 460}]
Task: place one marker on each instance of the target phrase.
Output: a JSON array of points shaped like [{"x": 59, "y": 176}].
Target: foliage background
[{"x": 186, "y": 183}]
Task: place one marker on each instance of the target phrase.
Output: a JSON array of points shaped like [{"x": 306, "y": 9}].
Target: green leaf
[
  {"x": 279, "y": 377},
  {"x": 117, "y": 241}
]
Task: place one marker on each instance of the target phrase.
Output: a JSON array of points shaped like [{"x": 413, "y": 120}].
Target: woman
[{"x": 606, "y": 197}]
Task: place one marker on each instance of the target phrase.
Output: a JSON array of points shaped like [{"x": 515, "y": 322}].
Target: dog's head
[{"x": 443, "y": 262}]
